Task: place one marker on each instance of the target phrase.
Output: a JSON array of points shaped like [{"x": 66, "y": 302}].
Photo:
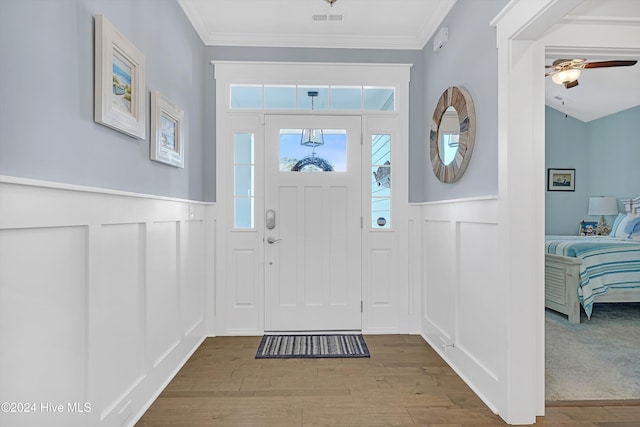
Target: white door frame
[
  {"x": 239, "y": 306},
  {"x": 525, "y": 30}
]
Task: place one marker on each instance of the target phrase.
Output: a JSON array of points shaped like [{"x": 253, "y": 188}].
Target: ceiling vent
[{"x": 326, "y": 18}]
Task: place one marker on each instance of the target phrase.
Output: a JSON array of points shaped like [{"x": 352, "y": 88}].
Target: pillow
[
  {"x": 616, "y": 223},
  {"x": 632, "y": 229},
  {"x": 622, "y": 225}
]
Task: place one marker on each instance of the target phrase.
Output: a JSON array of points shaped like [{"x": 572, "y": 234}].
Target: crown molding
[{"x": 413, "y": 42}]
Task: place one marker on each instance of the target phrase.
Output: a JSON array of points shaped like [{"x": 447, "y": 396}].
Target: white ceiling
[
  {"x": 379, "y": 24},
  {"x": 601, "y": 91},
  {"x": 409, "y": 24}
]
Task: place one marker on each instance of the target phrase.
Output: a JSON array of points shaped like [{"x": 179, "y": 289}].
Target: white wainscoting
[
  {"x": 102, "y": 300},
  {"x": 463, "y": 316}
]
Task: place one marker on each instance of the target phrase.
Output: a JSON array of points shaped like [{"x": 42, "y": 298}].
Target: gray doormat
[{"x": 312, "y": 346}]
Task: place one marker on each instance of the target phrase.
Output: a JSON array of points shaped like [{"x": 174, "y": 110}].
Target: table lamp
[{"x": 603, "y": 206}]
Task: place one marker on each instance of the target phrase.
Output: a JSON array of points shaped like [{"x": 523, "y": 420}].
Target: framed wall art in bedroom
[{"x": 561, "y": 179}]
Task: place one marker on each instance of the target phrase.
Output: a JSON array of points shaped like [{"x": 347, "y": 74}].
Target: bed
[{"x": 584, "y": 270}]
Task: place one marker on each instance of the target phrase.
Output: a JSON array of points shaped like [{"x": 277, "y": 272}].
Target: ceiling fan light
[{"x": 566, "y": 76}]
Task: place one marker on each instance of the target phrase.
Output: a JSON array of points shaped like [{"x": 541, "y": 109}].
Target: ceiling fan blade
[{"x": 603, "y": 64}]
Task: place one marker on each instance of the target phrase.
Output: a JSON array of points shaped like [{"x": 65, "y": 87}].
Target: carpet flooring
[
  {"x": 597, "y": 359},
  {"x": 312, "y": 346}
]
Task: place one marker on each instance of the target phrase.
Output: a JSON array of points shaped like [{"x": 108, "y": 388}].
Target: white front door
[{"x": 313, "y": 224}]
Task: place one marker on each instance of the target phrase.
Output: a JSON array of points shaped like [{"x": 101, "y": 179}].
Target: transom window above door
[{"x": 295, "y": 97}]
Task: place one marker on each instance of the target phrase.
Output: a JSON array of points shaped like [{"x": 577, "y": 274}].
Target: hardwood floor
[{"x": 403, "y": 383}]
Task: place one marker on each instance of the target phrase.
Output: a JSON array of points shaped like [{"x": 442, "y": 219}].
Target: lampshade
[
  {"x": 566, "y": 76},
  {"x": 603, "y": 206}
]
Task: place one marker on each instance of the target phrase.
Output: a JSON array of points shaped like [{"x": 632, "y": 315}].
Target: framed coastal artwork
[
  {"x": 119, "y": 84},
  {"x": 167, "y": 131},
  {"x": 561, "y": 179}
]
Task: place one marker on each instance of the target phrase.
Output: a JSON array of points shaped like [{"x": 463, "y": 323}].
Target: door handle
[{"x": 272, "y": 240}]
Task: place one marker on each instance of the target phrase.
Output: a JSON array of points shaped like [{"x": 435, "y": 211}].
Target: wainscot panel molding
[
  {"x": 461, "y": 291},
  {"x": 102, "y": 299}
]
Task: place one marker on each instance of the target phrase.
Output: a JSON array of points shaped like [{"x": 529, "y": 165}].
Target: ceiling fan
[{"x": 567, "y": 71}]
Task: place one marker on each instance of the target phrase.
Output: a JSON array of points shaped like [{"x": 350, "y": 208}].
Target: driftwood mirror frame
[{"x": 460, "y": 99}]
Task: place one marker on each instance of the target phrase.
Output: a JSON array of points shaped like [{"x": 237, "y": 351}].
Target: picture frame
[
  {"x": 167, "y": 131},
  {"x": 588, "y": 228},
  {"x": 561, "y": 180},
  {"x": 120, "y": 84}
]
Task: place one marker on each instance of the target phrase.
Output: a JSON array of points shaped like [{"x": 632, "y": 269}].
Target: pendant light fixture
[{"x": 312, "y": 137}]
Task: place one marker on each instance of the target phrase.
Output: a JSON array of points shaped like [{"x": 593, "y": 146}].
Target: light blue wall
[
  {"x": 605, "y": 154},
  {"x": 416, "y": 132},
  {"x": 470, "y": 60},
  {"x": 614, "y": 153},
  {"x": 47, "y": 130},
  {"x": 566, "y": 148}
]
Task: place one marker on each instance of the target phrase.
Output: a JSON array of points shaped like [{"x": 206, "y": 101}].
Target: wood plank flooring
[{"x": 403, "y": 383}]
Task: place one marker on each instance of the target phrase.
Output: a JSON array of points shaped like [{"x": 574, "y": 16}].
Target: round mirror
[{"x": 452, "y": 134}]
